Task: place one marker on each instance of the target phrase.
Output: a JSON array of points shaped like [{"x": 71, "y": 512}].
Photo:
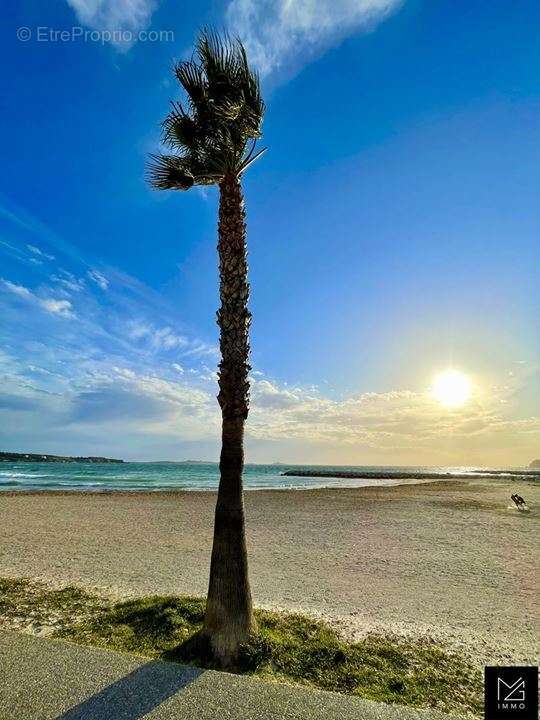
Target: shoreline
[
  {"x": 459, "y": 481},
  {"x": 187, "y": 491}
]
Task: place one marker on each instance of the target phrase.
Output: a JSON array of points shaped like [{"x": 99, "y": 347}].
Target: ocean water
[{"x": 157, "y": 476}]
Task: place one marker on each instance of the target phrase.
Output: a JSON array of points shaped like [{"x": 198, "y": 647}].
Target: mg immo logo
[{"x": 511, "y": 693}]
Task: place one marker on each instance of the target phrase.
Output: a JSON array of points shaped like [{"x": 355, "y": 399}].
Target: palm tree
[{"x": 209, "y": 139}]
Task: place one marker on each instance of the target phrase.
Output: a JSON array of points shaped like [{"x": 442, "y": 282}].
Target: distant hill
[
  {"x": 535, "y": 465},
  {"x": 34, "y": 457}
]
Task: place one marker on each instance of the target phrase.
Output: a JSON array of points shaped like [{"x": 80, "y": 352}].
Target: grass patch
[
  {"x": 29, "y": 605},
  {"x": 150, "y": 626},
  {"x": 288, "y": 647}
]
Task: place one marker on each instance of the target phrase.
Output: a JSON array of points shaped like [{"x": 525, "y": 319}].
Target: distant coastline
[
  {"x": 406, "y": 475},
  {"x": 37, "y": 457}
]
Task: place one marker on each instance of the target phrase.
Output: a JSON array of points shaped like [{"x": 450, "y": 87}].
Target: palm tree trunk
[{"x": 229, "y": 616}]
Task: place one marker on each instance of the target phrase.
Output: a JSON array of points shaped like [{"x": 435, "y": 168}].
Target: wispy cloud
[
  {"x": 106, "y": 402},
  {"x": 16, "y": 217},
  {"x": 68, "y": 282},
  {"x": 28, "y": 254},
  {"x": 288, "y": 33},
  {"x": 158, "y": 338},
  {"x": 405, "y": 424},
  {"x": 100, "y": 279},
  {"x": 166, "y": 338},
  {"x": 36, "y": 251},
  {"x": 19, "y": 290},
  {"x": 128, "y": 318},
  {"x": 58, "y": 307},
  {"x": 114, "y": 15},
  {"x": 129, "y": 378},
  {"x": 50, "y": 305}
]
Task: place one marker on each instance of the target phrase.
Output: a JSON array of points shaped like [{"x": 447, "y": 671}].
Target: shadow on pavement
[{"x": 136, "y": 694}]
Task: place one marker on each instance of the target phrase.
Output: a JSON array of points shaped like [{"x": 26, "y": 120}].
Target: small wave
[
  {"x": 82, "y": 485},
  {"x": 22, "y": 475}
]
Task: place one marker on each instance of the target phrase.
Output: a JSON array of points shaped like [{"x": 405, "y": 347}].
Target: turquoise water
[{"x": 193, "y": 476}]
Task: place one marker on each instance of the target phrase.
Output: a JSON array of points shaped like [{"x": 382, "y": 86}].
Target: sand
[{"x": 450, "y": 561}]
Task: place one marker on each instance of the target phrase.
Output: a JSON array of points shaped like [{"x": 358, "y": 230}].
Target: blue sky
[{"x": 393, "y": 233}]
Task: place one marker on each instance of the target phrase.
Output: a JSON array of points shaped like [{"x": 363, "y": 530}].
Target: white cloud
[
  {"x": 158, "y": 338},
  {"x": 58, "y": 307},
  {"x": 114, "y": 15},
  {"x": 146, "y": 403},
  {"x": 50, "y": 305},
  {"x": 167, "y": 339},
  {"x": 100, "y": 279},
  {"x": 68, "y": 281},
  {"x": 85, "y": 395},
  {"x": 138, "y": 330},
  {"x": 124, "y": 372},
  {"x": 396, "y": 421},
  {"x": 19, "y": 290},
  {"x": 36, "y": 251},
  {"x": 199, "y": 349},
  {"x": 288, "y": 33},
  {"x": 113, "y": 371}
]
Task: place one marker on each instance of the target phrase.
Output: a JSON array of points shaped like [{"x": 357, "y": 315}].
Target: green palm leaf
[{"x": 224, "y": 112}]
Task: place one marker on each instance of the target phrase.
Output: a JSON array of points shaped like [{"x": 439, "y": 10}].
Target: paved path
[{"x": 46, "y": 679}]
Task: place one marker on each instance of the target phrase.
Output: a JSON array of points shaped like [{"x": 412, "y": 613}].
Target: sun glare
[{"x": 452, "y": 388}]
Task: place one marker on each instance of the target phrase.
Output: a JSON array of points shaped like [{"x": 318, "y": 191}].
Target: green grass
[
  {"x": 24, "y": 603},
  {"x": 288, "y": 647}
]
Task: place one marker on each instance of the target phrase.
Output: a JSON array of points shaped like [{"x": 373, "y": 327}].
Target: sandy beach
[{"x": 447, "y": 560}]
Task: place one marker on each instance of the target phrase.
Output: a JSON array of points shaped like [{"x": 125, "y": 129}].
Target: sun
[{"x": 452, "y": 388}]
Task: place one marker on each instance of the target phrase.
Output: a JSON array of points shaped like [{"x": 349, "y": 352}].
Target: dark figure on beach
[{"x": 519, "y": 501}]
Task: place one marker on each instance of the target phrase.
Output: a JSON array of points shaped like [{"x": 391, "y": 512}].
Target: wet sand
[{"x": 446, "y": 560}]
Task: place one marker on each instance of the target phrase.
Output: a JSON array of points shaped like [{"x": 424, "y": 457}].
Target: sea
[{"x": 163, "y": 476}]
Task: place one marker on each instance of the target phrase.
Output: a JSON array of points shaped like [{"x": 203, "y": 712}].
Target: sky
[{"x": 393, "y": 231}]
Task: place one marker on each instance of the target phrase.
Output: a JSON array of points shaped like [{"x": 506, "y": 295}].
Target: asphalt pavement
[{"x": 43, "y": 679}]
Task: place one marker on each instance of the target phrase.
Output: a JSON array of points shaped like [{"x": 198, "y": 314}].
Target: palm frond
[
  {"x": 217, "y": 55},
  {"x": 209, "y": 170},
  {"x": 250, "y": 159},
  {"x": 180, "y": 129},
  {"x": 169, "y": 172},
  {"x": 254, "y": 107},
  {"x": 192, "y": 78},
  {"x": 224, "y": 111}
]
